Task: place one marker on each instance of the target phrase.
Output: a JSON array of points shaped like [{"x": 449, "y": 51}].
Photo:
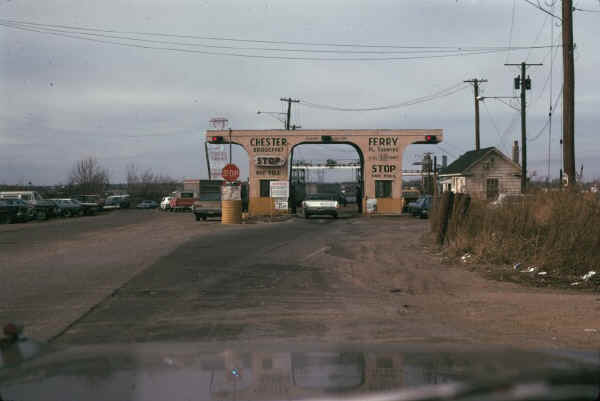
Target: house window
[
  {"x": 491, "y": 188},
  {"x": 383, "y": 189},
  {"x": 265, "y": 188}
]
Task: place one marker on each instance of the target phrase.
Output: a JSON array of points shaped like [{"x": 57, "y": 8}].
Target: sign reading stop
[{"x": 230, "y": 172}]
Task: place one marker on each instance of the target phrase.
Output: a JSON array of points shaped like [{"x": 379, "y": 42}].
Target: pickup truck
[
  {"x": 182, "y": 201},
  {"x": 42, "y": 208},
  {"x": 208, "y": 205},
  {"x": 317, "y": 204}
]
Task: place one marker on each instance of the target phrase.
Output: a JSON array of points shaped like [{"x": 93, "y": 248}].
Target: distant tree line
[
  {"x": 148, "y": 185},
  {"x": 89, "y": 177}
]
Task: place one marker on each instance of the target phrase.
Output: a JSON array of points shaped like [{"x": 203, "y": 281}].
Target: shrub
[{"x": 557, "y": 231}]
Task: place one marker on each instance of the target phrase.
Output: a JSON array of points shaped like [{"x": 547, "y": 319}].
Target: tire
[
  {"x": 197, "y": 217},
  {"x": 306, "y": 215},
  {"x": 67, "y": 213},
  {"x": 335, "y": 216},
  {"x": 204, "y": 218}
]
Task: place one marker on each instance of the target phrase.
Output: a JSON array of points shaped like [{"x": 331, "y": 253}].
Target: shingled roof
[{"x": 459, "y": 165}]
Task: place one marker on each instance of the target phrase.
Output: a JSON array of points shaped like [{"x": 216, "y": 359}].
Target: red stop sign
[{"x": 230, "y": 172}]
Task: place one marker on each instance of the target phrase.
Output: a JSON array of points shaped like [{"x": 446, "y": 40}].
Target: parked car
[
  {"x": 17, "y": 210},
  {"x": 90, "y": 203},
  {"x": 422, "y": 206},
  {"x": 318, "y": 204},
  {"x": 14, "y": 210},
  {"x": 117, "y": 202},
  {"x": 43, "y": 209},
  {"x": 410, "y": 197},
  {"x": 147, "y": 204},
  {"x": 165, "y": 203},
  {"x": 67, "y": 207},
  {"x": 207, "y": 205}
]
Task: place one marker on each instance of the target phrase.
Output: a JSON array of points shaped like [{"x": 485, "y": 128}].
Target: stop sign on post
[{"x": 230, "y": 172}]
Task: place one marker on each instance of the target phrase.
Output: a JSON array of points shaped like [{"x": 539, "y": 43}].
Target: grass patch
[{"x": 557, "y": 232}]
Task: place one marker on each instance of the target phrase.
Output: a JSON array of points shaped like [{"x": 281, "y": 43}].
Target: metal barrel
[{"x": 231, "y": 212}]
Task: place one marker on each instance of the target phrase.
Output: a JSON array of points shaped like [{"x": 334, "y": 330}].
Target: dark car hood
[{"x": 196, "y": 371}]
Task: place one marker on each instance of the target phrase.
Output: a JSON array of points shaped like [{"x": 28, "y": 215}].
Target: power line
[
  {"x": 487, "y": 110},
  {"x": 585, "y": 10},
  {"x": 539, "y": 7},
  {"x": 512, "y": 24},
  {"x": 38, "y": 28},
  {"x": 442, "y": 93},
  {"x": 541, "y": 131},
  {"x": 537, "y": 37},
  {"x": 229, "y": 39},
  {"x": 447, "y": 152},
  {"x": 259, "y": 56}
]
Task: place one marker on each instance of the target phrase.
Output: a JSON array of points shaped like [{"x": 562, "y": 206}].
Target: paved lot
[
  {"x": 149, "y": 276},
  {"x": 55, "y": 271}
]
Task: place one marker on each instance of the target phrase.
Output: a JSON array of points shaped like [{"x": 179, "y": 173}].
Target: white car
[
  {"x": 321, "y": 204},
  {"x": 165, "y": 203}
]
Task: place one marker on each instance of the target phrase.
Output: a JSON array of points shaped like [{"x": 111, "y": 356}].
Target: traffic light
[
  {"x": 216, "y": 139},
  {"x": 517, "y": 83},
  {"x": 429, "y": 140}
]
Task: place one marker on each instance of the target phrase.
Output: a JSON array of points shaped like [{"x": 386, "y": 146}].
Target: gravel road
[{"x": 150, "y": 276}]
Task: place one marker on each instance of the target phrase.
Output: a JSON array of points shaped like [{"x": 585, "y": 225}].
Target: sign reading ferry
[{"x": 230, "y": 172}]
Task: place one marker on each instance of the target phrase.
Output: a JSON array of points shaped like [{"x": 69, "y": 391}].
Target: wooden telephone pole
[
  {"x": 289, "y": 101},
  {"x": 524, "y": 83},
  {"x": 568, "y": 93},
  {"x": 476, "y": 83}
]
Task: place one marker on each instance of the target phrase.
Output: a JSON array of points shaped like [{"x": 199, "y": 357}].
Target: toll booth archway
[
  {"x": 296, "y": 170},
  {"x": 381, "y": 150}
]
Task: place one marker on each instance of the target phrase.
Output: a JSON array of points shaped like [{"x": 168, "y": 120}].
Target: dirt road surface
[{"x": 164, "y": 277}]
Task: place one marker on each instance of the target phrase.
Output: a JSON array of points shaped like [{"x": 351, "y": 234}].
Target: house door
[{"x": 492, "y": 188}]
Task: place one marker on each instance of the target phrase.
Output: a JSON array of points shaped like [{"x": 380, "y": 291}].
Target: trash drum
[{"x": 231, "y": 212}]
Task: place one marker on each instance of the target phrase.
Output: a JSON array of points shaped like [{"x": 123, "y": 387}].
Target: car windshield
[{"x": 227, "y": 174}]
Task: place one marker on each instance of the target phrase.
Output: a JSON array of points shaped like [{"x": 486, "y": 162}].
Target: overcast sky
[{"x": 66, "y": 98}]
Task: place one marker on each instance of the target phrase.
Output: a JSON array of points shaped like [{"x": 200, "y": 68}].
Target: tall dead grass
[{"x": 557, "y": 231}]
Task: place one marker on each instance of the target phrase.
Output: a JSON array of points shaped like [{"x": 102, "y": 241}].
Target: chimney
[
  {"x": 444, "y": 161},
  {"x": 515, "y": 153}
]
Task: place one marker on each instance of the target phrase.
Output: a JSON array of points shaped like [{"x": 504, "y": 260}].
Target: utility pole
[
  {"x": 568, "y": 93},
  {"x": 476, "y": 83},
  {"x": 289, "y": 101},
  {"x": 524, "y": 83}
]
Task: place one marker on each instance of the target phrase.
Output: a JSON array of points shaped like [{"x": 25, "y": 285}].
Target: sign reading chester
[{"x": 380, "y": 152}]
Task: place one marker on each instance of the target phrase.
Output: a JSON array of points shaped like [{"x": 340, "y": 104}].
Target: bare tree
[
  {"x": 148, "y": 185},
  {"x": 88, "y": 177}
]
